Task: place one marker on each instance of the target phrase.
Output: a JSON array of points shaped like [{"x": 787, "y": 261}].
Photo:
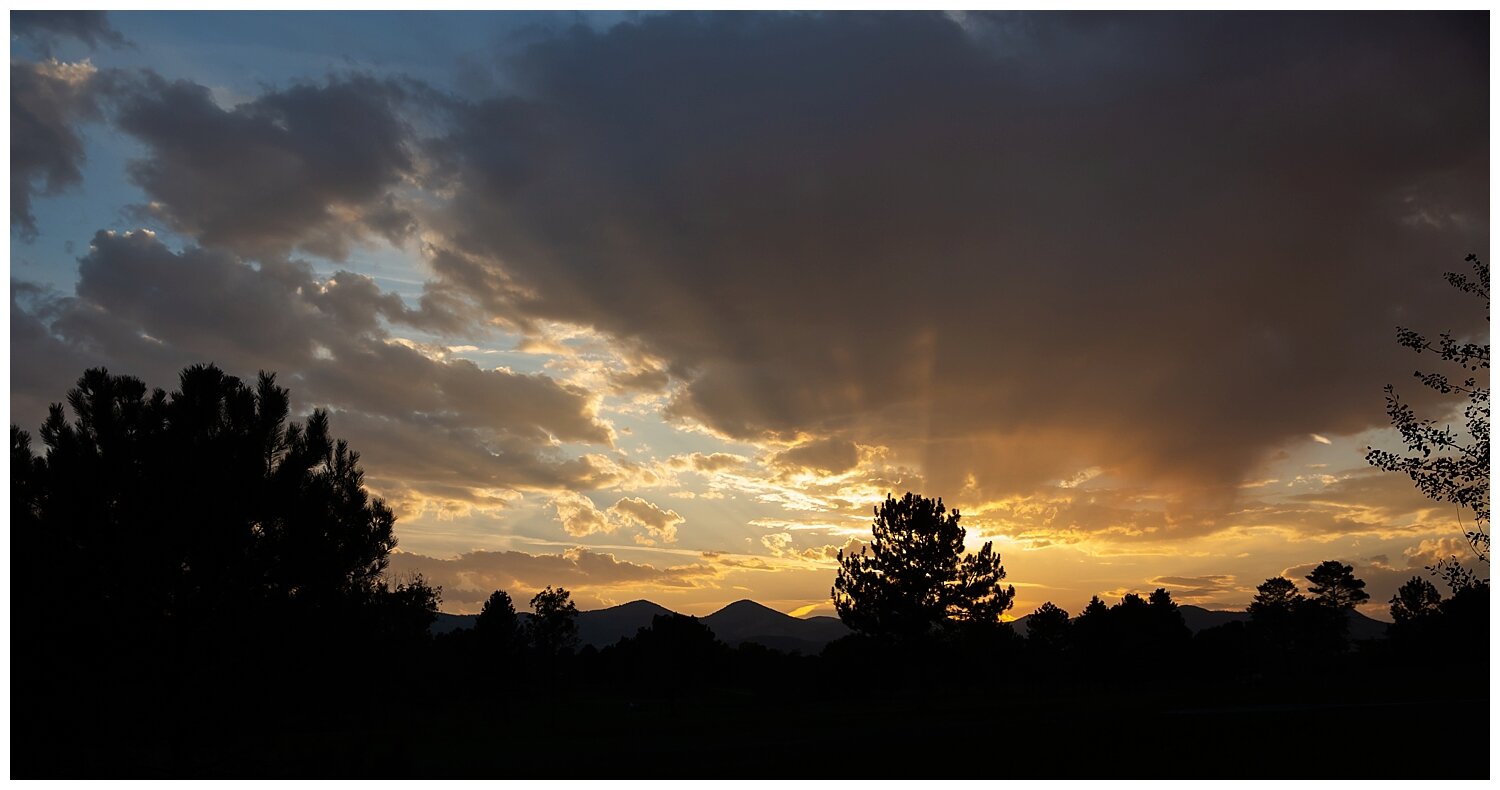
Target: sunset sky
[{"x": 661, "y": 305}]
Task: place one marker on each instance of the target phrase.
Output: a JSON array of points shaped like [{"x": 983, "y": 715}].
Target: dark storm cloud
[
  {"x": 145, "y": 310},
  {"x": 357, "y": 302},
  {"x": 825, "y": 456},
  {"x": 313, "y": 167},
  {"x": 44, "y": 29},
  {"x": 1012, "y": 247},
  {"x": 36, "y": 355},
  {"x": 410, "y": 457},
  {"x": 47, "y": 102}
]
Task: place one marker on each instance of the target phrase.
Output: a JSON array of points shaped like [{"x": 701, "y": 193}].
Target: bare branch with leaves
[{"x": 1446, "y": 465}]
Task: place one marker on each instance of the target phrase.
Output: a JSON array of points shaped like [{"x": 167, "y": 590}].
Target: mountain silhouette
[
  {"x": 748, "y": 621},
  {"x": 448, "y": 623},
  {"x": 1365, "y": 627},
  {"x": 603, "y": 627},
  {"x": 738, "y": 623},
  {"x": 1197, "y": 618},
  {"x": 597, "y": 627}
]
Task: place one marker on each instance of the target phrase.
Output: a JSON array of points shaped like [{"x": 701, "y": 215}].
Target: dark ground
[{"x": 964, "y": 730}]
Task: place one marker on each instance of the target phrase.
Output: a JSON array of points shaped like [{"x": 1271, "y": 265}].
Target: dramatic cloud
[
  {"x": 421, "y": 463},
  {"x": 47, "y": 101},
  {"x": 660, "y": 524},
  {"x": 826, "y": 457},
  {"x": 44, "y": 29},
  {"x": 314, "y": 167},
  {"x": 420, "y": 417},
  {"x": 580, "y": 517},
  {"x": 1009, "y": 249},
  {"x": 783, "y": 545}
]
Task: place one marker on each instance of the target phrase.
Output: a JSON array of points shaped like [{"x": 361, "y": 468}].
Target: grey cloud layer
[
  {"x": 144, "y": 309},
  {"x": 47, "y": 103},
  {"x": 1160, "y": 244},
  {"x": 826, "y": 456},
  {"x": 44, "y": 29},
  {"x": 312, "y": 166}
]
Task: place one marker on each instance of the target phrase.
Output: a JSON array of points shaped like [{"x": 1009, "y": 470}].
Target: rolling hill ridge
[
  {"x": 747, "y": 621},
  {"x": 738, "y": 623}
]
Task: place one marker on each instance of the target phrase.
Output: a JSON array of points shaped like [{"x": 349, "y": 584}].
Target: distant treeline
[{"x": 1287, "y": 639}]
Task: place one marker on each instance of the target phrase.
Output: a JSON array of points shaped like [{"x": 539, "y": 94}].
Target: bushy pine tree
[
  {"x": 149, "y": 513},
  {"x": 914, "y": 576}
]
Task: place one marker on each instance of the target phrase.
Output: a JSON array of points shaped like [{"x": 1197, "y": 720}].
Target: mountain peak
[
  {"x": 741, "y": 621},
  {"x": 746, "y": 605},
  {"x": 639, "y": 603},
  {"x": 749, "y": 621}
]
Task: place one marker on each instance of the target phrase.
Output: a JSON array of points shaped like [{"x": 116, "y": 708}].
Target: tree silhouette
[
  {"x": 1131, "y": 603},
  {"x": 406, "y": 611},
  {"x": 977, "y": 598},
  {"x": 1141, "y": 632},
  {"x": 1280, "y": 621},
  {"x": 1444, "y": 466},
  {"x": 1466, "y": 621},
  {"x": 1047, "y": 627},
  {"x": 1167, "y": 625},
  {"x": 1428, "y": 629},
  {"x": 497, "y": 624},
  {"x": 156, "y": 511},
  {"x": 212, "y": 561},
  {"x": 553, "y": 628},
  {"x": 1275, "y": 597},
  {"x": 1323, "y": 620},
  {"x": 1091, "y": 631},
  {"x": 914, "y": 577},
  {"x": 1335, "y": 586},
  {"x": 1415, "y": 601},
  {"x": 675, "y": 652}
]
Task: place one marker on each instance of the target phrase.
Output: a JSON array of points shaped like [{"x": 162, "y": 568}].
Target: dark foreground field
[
  {"x": 1134, "y": 736},
  {"x": 780, "y": 717}
]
